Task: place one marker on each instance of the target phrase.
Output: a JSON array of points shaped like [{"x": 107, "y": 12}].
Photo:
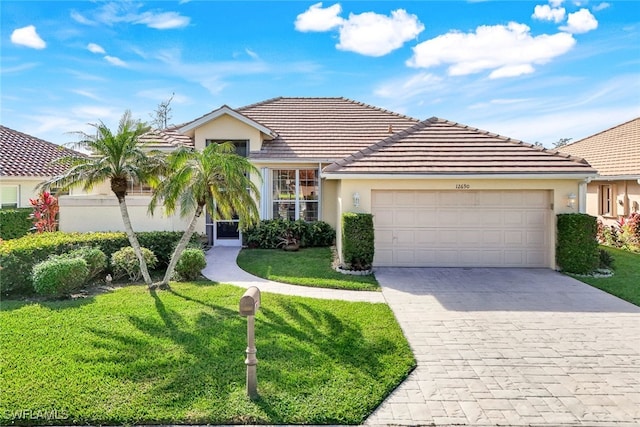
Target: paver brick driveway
[{"x": 512, "y": 347}]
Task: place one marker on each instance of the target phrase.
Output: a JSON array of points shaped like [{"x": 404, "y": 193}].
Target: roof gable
[
  {"x": 441, "y": 147},
  {"x": 615, "y": 151},
  {"x": 26, "y": 155},
  {"x": 225, "y": 110}
]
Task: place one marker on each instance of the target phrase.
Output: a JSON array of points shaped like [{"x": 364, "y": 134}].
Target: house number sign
[{"x": 463, "y": 186}]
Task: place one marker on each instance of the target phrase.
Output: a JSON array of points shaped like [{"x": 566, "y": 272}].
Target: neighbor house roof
[
  {"x": 441, "y": 147},
  {"x": 26, "y": 155},
  {"x": 612, "y": 152},
  {"x": 165, "y": 138},
  {"x": 321, "y": 129}
]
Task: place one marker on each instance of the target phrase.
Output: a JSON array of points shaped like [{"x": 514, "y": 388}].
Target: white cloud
[
  {"x": 86, "y": 94},
  {"x": 95, "y": 48},
  {"x": 580, "y": 22},
  {"x": 115, "y": 61},
  {"x": 368, "y": 33},
  {"x": 547, "y": 13},
  {"x": 251, "y": 53},
  {"x": 28, "y": 36},
  {"x": 373, "y": 34},
  {"x": 318, "y": 19},
  {"x": 78, "y": 17},
  {"x": 163, "y": 21},
  {"x": 506, "y": 50},
  {"x": 601, "y": 6},
  {"x": 556, "y": 3},
  {"x": 411, "y": 87},
  {"x": 18, "y": 68}
]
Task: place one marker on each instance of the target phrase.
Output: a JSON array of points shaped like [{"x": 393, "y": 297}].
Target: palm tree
[
  {"x": 216, "y": 180},
  {"x": 117, "y": 158}
]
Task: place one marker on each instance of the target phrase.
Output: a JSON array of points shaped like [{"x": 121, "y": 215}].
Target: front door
[{"x": 224, "y": 232}]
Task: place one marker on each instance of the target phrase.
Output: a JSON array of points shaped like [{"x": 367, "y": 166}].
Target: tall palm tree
[
  {"x": 115, "y": 157},
  {"x": 216, "y": 180}
]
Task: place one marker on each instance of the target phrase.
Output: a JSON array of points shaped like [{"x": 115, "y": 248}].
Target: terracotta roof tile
[
  {"x": 615, "y": 151},
  {"x": 170, "y": 137},
  {"x": 324, "y": 129},
  {"x": 26, "y": 155},
  {"x": 436, "y": 146}
]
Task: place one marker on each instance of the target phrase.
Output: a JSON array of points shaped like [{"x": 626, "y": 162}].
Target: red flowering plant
[{"x": 45, "y": 212}]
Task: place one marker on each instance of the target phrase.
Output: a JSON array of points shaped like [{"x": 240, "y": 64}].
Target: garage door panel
[{"x": 463, "y": 228}]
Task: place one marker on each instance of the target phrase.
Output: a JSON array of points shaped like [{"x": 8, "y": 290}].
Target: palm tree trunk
[
  {"x": 133, "y": 240},
  {"x": 181, "y": 246}
]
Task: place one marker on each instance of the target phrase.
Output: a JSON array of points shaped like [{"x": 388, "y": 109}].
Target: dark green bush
[
  {"x": 125, "y": 263},
  {"x": 59, "y": 276},
  {"x": 577, "y": 246},
  {"x": 269, "y": 234},
  {"x": 190, "y": 264},
  {"x": 15, "y": 223},
  {"x": 606, "y": 259},
  {"x": 96, "y": 260},
  {"x": 357, "y": 240},
  {"x": 20, "y": 255}
]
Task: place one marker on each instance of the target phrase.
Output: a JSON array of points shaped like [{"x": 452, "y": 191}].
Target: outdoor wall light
[
  {"x": 356, "y": 199},
  {"x": 571, "y": 200}
]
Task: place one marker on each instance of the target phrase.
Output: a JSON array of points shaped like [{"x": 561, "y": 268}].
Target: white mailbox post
[{"x": 249, "y": 303}]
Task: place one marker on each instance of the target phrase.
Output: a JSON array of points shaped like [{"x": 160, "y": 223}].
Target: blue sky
[{"x": 535, "y": 71}]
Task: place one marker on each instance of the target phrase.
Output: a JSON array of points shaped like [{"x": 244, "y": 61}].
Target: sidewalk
[{"x": 222, "y": 267}]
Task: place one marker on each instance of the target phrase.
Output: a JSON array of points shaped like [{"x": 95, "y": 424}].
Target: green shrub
[
  {"x": 125, "y": 263},
  {"x": 606, "y": 259},
  {"x": 20, "y": 255},
  {"x": 357, "y": 240},
  {"x": 59, "y": 276},
  {"x": 15, "y": 223},
  {"x": 96, "y": 260},
  {"x": 190, "y": 264},
  {"x": 269, "y": 234},
  {"x": 577, "y": 247}
]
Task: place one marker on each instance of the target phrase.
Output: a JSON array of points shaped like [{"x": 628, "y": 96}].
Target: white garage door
[{"x": 461, "y": 228}]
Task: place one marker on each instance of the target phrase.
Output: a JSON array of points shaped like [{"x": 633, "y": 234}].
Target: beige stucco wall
[
  {"x": 101, "y": 213},
  {"x": 227, "y": 128},
  {"x": 559, "y": 190}
]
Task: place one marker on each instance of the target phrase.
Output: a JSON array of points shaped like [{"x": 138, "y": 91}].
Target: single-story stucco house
[
  {"x": 25, "y": 161},
  {"x": 442, "y": 193},
  {"x": 615, "y": 154}
]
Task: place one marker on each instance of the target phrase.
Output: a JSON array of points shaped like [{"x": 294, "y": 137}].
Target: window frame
[{"x": 296, "y": 196}]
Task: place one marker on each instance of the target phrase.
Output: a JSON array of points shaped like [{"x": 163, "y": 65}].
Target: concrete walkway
[
  {"x": 222, "y": 267},
  {"x": 496, "y": 347}
]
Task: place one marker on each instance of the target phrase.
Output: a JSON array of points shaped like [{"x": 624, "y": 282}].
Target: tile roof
[
  {"x": 615, "y": 151},
  {"x": 26, "y": 155},
  {"x": 165, "y": 138},
  {"x": 439, "y": 147},
  {"x": 321, "y": 129}
]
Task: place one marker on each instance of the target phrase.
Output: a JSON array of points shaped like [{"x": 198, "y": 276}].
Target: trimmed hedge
[
  {"x": 59, "y": 276},
  {"x": 268, "y": 234},
  {"x": 18, "y": 256},
  {"x": 357, "y": 240},
  {"x": 190, "y": 264},
  {"x": 577, "y": 245},
  {"x": 15, "y": 223},
  {"x": 124, "y": 263}
]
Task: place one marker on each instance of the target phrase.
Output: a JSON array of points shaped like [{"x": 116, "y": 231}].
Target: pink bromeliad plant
[{"x": 45, "y": 212}]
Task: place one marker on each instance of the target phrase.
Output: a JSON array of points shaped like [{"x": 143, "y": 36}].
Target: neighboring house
[
  {"x": 615, "y": 154},
  {"x": 25, "y": 163},
  {"x": 442, "y": 193}
]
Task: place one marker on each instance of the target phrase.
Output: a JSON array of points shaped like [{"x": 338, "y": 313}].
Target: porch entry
[{"x": 226, "y": 232}]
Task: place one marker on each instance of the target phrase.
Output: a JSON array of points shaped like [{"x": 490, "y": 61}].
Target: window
[
  {"x": 606, "y": 200},
  {"x": 9, "y": 196},
  {"x": 135, "y": 187},
  {"x": 295, "y": 194},
  {"x": 242, "y": 146}
]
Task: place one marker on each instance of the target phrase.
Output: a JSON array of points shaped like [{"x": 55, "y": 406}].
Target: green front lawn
[
  {"x": 306, "y": 267},
  {"x": 625, "y": 283},
  {"x": 176, "y": 357}
]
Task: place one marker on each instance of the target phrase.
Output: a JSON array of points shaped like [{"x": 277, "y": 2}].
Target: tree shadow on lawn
[{"x": 312, "y": 364}]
